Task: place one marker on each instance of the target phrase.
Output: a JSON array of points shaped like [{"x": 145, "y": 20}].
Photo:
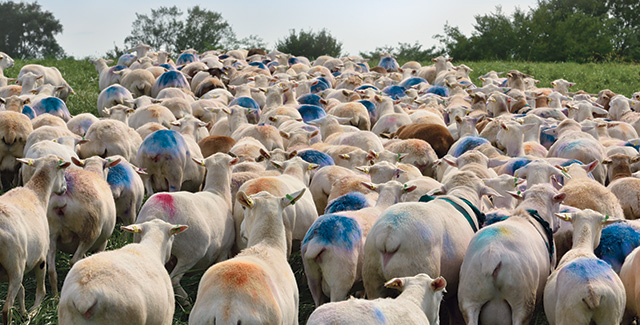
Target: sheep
[
  {"x": 584, "y": 289},
  {"x": 335, "y": 242},
  {"x": 127, "y": 188},
  {"x": 207, "y": 213},
  {"x": 580, "y": 190},
  {"x": 112, "y": 96},
  {"x": 25, "y": 229},
  {"x": 107, "y": 75},
  {"x": 110, "y": 137},
  {"x": 355, "y": 111},
  {"x": 572, "y": 143},
  {"x": 438, "y": 137},
  {"x": 537, "y": 172},
  {"x": 63, "y": 147},
  {"x": 322, "y": 182},
  {"x": 166, "y": 156},
  {"x": 562, "y": 86},
  {"x": 268, "y": 135},
  {"x": 629, "y": 280},
  {"x": 227, "y": 291},
  {"x": 407, "y": 228},
  {"x": 506, "y": 265},
  {"x": 215, "y": 143},
  {"x": 418, "y": 303},
  {"x": 51, "y": 76},
  {"x": 179, "y": 107},
  {"x": 151, "y": 113},
  {"x": 170, "y": 79},
  {"x": 430, "y": 72},
  {"x": 53, "y": 106},
  {"x": 14, "y": 131},
  {"x": 126, "y": 285},
  {"x": 139, "y": 82},
  {"x": 80, "y": 123},
  {"x": 83, "y": 218},
  {"x": 622, "y": 185},
  {"x": 620, "y": 110},
  {"x": 298, "y": 218}
]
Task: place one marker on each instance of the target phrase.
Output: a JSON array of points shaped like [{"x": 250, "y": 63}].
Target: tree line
[{"x": 552, "y": 30}]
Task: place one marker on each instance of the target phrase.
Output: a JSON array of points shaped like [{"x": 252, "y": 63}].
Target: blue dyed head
[{"x": 335, "y": 230}]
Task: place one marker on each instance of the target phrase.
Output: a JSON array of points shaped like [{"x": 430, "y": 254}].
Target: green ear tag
[
  {"x": 606, "y": 217},
  {"x": 290, "y": 198},
  {"x": 399, "y": 157}
]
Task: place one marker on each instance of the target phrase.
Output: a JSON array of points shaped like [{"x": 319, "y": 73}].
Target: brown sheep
[
  {"x": 215, "y": 143},
  {"x": 436, "y": 135}
]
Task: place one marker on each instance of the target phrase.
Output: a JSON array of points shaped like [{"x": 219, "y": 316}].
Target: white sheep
[
  {"x": 208, "y": 215},
  {"x": 138, "y": 82},
  {"x": 151, "y": 113},
  {"x": 584, "y": 289},
  {"x": 107, "y": 76},
  {"x": 419, "y": 303},
  {"x": 108, "y": 138},
  {"x": 581, "y": 191},
  {"x": 112, "y": 96},
  {"x": 258, "y": 285},
  {"x": 125, "y": 286},
  {"x": 79, "y": 124},
  {"x": 63, "y": 147},
  {"x": 26, "y": 231},
  {"x": 83, "y": 218},
  {"x": 15, "y": 129},
  {"x": 51, "y": 76}
]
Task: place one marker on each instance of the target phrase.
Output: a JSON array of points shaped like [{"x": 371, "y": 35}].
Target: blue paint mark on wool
[
  {"x": 259, "y": 65},
  {"x": 52, "y": 105},
  {"x": 172, "y": 79},
  {"x": 117, "y": 68},
  {"x": 370, "y": 106},
  {"x": 361, "y": 67},
  {"x": 389, "y": 63},
  {"x": 395, "y": 92},
  {"x": 494, "y": 217},
  {"x": 321, "y": 85},
  {"x": 162, "y": 141},
  {"x": 247, "y": 102},
  {"x": 547, "y": 139},
  {"x": 126, "y": 59},
  {"x": 468, "y": 143},
  {"x": 168, "y": 67},
  {"x": 311, "y": 112},
  {"x": 115, "y": 90},
  {"x": 616, "y": 242},
  {"x": 186, "y": 58},
  {"x": 407, "y": 83},
  {"x": 28, "y": 111},
  {"x": 351, "y": 201},
  {"x": 438, "y": 90},
  {"x": 120, "y": 176},
  {"x": 310, "y": 99},
  {"x": 335, "y": 230},
  {"x": 587, "y": 269},
  {"x": 293, "y": 60},
  {"x": 379, "y": 315},
  {"x": 316, "y": 157},
  {"x": 515, "y": 164},
  {"x": 363, "y": 87}
]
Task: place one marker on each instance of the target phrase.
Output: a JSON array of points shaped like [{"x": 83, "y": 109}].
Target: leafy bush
[{"x": 310, "y": 44}]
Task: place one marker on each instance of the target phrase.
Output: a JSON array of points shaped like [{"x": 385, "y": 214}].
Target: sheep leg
[
  {"x": 83, "y": 248},
  {"x": 51, "y": 261},
  {"x": 41, "y": 269},
  {"x": 174, "y": 180},
  {"x": 15, "y": 287},
  {"x": 522, "y": 309},
  {"x": 176, "y": 275},
  {"x": 148, "y": 185},
  {"x": 471, "y": 312},
  {"x": 289, "y": 236}
]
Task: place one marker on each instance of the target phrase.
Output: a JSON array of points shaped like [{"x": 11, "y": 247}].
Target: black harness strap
[
  {"x": 547, "y": 229},
  {"x": 480, "y": 217}
]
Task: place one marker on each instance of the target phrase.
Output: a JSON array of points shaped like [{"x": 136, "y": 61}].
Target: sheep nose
[{"x": 62, "y": 190}]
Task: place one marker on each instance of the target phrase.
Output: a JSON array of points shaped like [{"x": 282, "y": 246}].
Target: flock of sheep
[{"x": 403, "y": 185}]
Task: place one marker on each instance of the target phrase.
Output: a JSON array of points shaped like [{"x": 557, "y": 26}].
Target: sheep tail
[
  {"x": 85, "y": 305},
  {"x": 592, "y": 300},
  {"x": 492, "y": 264},
  {"x": 313, "y": 250}
]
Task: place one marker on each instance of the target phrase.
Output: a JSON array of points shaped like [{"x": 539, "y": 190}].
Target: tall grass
[{"x": 81, "y": 75}]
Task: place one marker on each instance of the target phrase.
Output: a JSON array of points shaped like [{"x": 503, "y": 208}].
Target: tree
[
  {"x": 160, "y": 30},
  {"x": 28, "y": 32},
  {"x": 204, "y": 30},
  {"x": 403, "y": 52},
  {"x": 310, "y": 44}
]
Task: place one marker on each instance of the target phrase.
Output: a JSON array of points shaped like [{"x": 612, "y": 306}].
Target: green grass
[{"x": 82, "y": 76}]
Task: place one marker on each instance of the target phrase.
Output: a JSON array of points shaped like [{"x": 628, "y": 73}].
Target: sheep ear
[
  {"x": 175, "y": 123},
  {"x": 291, "y": 199},
  {"x": 451, "y": 160},
  {"x": 313, "y": 134},
  {"x": 140, "y": 171},
  {"x": 590, "y": 167},
  {"x": 292, "y": 154},
  {"x": 244, "y": 199},
  {"x": 370, "y": 186},
  {"x": 28, "y": 162},
  {"x": 313, "y": 166},
  {"x": 438, "y": 191},
  {"x": 408, "y": 189},
  {"x": 277, "y": 164},
  {"x": 132, "y": 228},
  {"x": 564, "y": 216},
  {"x": 438, "y": 284},
  {"x": 178, "y": 229},
  {"x": 285, "y": 135},
  {"x": 486, "y": 190},
  {"x": 234, "y": 161},
  {"x": 77, "y": 162},
  {"x": 560, "y": 197},
  {"x": 401, "y": 156},
  {"x": 265, "y": 154},
  {"x": 515, "y": 194},
  {"x": 363, "y": 169},
  {"x": 395, "y": 283},
  {"x": 198, "y": 161}
]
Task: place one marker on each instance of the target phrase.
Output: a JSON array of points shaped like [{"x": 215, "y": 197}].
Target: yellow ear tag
[
  {"x": 30, "y": 162},
  {"x": 136, "y": 229},
  {"x": 249, "y": 201},
  {"x": 310, "y": 167}
]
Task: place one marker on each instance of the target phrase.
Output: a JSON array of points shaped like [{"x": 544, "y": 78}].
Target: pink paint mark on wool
[{"x": 166, "y": 201}]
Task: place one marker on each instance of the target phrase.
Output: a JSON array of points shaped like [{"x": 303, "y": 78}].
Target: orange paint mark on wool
[
  {"x": 244, "y": 277},
  {"x": 262, "y": 184}
]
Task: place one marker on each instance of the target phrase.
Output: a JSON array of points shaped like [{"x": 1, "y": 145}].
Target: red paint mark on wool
[{"x": 166, "y": 201}]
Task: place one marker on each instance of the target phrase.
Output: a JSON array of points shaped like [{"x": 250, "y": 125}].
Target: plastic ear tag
[
  {"x": 310, "y": 166},
  {"x": 606, "y": 217},
  {"x": 564, "y": 173},
  {"x": 136, "y": 229},
  {"x": 515, "y": 182},
  {"x": 30, "y": 162},
  {"x": 249, "y": 201},
  {"x": 290, "y": 198},
  {"x": 399, "y": 157}
]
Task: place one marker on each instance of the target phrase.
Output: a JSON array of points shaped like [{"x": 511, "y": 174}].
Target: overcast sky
[{"x": 93, "y": 27}]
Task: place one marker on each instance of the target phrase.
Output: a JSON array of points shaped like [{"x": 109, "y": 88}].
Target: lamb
[
  {"x": 166, "y": 156},
  {"x": 227, "y": 291},
  {"x": 580, "y": 190},
  {"x": 112, "y": 96},
  {"x": 207, "y": 213},
  {"x": 127, "y": 285},
  {"x": 407, "y": 228},
  {"x": 584, "y": 289},
  {"x": 108, "y": 138},
  {"x": 83, "y": 218},
  {"x": 507, "y": 263},
  {"x": 562, "y": 86},
  {"x": 298, "y": 218},
  {"x": 332, "y": 249},
  {"x": 418, "y": 303},
  {"x": 622, "y": 185},
  {"x": 26, "y": 231},
  {"x": 14, "y": 130},
  {"x": 6, "y": 62}
]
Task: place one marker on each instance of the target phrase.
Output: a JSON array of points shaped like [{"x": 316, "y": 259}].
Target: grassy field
[{"x": 81, "y": 75}]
